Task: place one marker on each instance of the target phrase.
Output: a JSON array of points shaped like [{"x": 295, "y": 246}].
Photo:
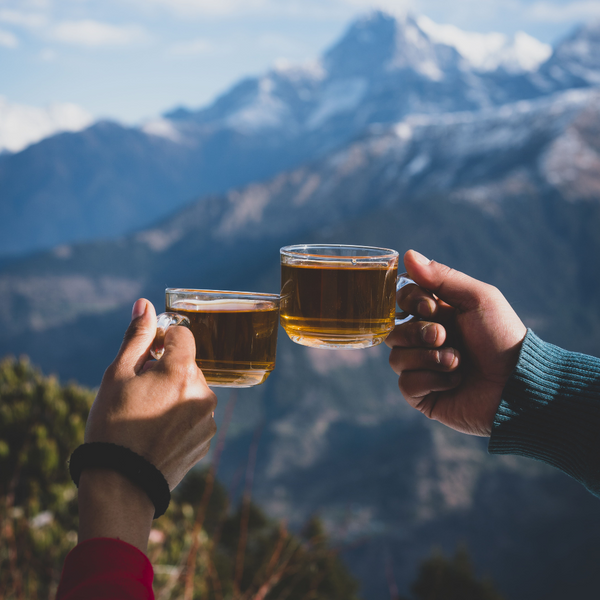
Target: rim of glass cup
[
  {"x": 216, "y": 294},
  {"x": 338, "y": 252}
]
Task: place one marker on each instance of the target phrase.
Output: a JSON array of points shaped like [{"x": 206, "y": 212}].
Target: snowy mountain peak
[
  {"x": 387, "y": 66},
  {"x": 367, "y": 45},
  {"x": 582, "y": 45},
  {"x": 490, "y": 51},
  {"x": 576, "y": 59}
]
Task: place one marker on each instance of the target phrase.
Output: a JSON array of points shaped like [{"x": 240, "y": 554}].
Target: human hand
[
  {"x": 454, "y": 363},
  {"x": 161, "y": 410}
]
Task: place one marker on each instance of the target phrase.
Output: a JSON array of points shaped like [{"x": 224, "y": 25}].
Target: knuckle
[
  {"x": 204, "y": 450},
  {"x": 111, "y": 371},
  {"x": 394, "y": 360},
  {"x": 427, "y": 405},
  {"x": 205, "y": 405},
  {"x": 185, "y": 372},
  {"x": 212, "y": 401},
  {"x": 404, "y": 384},
  {"x": 114, "y": 372}
]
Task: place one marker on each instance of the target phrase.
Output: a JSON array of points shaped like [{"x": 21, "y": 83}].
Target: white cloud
[
  {"x": 48, "y": 54},
  {"x": 559, "y": 13},
  {"x": 8, "y": 39},
  {"x": 391, "y": 6},
  {"x": 212, "y": 7},
  {"x": 92, "y": 33},
  {"x": 195, "y": 47},
  {"x": 313, "y": 9},
  {"x": 279, "y": 43},
  {"x": 22, "y": 19},
  {"x": 22, "y": 125}
]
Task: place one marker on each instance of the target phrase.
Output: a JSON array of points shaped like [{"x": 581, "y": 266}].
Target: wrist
[{"x": 111, "y": 506}]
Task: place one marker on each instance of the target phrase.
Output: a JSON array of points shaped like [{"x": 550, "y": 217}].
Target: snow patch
[
  {"x": 263, "y": 111},
  {"x": 338, "y": 97},
  {"x": 162, "y": 128},
  {"x": 418, "y": 164},
  {"x": 404, "y": 131},
  {"x": 490, "y": 51}
]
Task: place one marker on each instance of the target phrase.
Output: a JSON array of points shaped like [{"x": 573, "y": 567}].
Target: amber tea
[
  {"x": 338, "y": 302},
  {"x": 236, "y": 338}
]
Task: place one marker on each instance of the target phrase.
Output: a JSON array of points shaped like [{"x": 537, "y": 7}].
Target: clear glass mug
[
  {"x": 235, "y": 333},
  {"x": 338, "y": 296}
]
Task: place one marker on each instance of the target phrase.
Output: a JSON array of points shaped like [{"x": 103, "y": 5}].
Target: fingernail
[
  {"x": 429, "y": 333},
  {"x": 420, "y": 258},
  {"x": 139, "y": 308},
  {"x": 446, "y": 357}
]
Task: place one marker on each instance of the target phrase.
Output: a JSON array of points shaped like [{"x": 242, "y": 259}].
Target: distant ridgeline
[
  {"x": 393, "y": 139},
  {"x": 109, "y": 179}
]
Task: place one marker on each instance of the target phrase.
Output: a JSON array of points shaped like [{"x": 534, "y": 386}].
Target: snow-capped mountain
[
  {"x": 509, "y": 194},
  {"x": 382, "y": 70},
  {"x": 386, "y": 67},
  {"x": 576, "y": 60},
  {"x": 393, "y": 138}
]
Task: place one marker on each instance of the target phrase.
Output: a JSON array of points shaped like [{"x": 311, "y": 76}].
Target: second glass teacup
[{"x": 337, "y": 296}]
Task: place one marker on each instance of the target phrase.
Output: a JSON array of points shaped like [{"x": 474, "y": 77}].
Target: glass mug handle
[
  {"x": 403, "y": 317},
  {"x": 163, "y": 322}
]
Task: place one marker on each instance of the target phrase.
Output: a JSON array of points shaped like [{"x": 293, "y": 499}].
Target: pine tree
[
  {"x": 441, "y": 578},
  {"x": 201, "y": 548},
  {"x": 41, "y": 422}
]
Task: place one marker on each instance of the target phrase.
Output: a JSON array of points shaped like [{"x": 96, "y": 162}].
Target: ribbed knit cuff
[{"x": 550, "y": 411}]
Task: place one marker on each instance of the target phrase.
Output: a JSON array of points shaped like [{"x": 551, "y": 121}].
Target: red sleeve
[{"x": 106, "y": 569}]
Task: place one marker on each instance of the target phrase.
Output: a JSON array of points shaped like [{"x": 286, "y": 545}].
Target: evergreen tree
[
  {"x": 241, "y": 553},
  {"x": 41, "y": 422},
  {"x": 441, "y": 578},
  {"x": 201, "y": 548}
]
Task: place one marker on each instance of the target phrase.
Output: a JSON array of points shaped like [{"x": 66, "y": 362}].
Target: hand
[
  {"x": 162, "y": 410},
  {"x": 454, "y": 363}
]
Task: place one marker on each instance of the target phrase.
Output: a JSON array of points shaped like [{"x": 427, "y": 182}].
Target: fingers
[
  {"x": 417, "y": 334},
  {"x": 417, "y": 385},
  {"x": 423, "y": 371},
  {"x": 419, "y": 359},
  {"x": 179, "y": 358},
  {"x": 135, "y": 349},
  {"x": 416, "y": 300},
  {"x": 180, "y": 347},
  {"x": 452, "y": 287}
]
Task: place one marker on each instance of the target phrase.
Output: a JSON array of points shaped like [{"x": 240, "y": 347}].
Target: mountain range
[
  {"x": 109, "y": 179},
  {"x": 506, "y": 190}
]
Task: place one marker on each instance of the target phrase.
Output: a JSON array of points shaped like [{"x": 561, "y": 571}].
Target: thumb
[
  {"x": 135, "y": 349},
  {"x": 457, "y": 289}
]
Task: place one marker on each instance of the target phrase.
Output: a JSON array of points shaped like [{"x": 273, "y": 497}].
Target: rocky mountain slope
[
  {"x": 510, "y": 194},
  {"x": 109, "y": 180}
]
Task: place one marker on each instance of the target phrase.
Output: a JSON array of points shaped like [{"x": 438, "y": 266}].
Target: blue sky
[{"x": 133, "y": 59}]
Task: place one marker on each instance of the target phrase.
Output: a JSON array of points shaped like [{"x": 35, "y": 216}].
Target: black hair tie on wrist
[{"x": 134, "y": 467}]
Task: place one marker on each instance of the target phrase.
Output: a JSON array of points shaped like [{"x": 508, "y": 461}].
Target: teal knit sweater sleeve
[{"x": 550, "y": 411}]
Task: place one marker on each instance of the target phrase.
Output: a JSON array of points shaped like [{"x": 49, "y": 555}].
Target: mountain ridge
[
  {"x": 94, "y": 184},
  {"x": 510, "y": 195}
]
